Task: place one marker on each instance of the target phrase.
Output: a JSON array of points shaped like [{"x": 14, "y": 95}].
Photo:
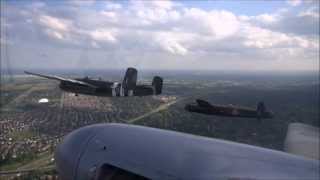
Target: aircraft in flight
[
  {"x": 205, "y": 107},
  {"x": 121, "y": 151},
  {"x": 128, "y": 87}
]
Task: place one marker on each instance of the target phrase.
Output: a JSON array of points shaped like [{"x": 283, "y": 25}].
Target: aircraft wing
[
  {"x": 161, "y": 154},
  {"x": 61, "y": 79}
]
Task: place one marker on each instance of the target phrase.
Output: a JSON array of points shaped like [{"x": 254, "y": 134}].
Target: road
[
  {"x": 13, "y": 172},
  {"x": 19, "y": 98},
  {"x": 37, "y": 163},
  {"x": 41, "y": 163},
  {"x": 158, "y": 109}
]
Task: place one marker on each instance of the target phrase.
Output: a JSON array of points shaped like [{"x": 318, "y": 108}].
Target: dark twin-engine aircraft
[
  {"x": 205, "y": 107},
  {"x": 88, "y": 86}
]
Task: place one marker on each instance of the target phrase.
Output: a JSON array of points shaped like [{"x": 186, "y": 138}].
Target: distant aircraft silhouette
[
  {"x": 205, "y": 107},
  {"x": 128, "y": 87}
]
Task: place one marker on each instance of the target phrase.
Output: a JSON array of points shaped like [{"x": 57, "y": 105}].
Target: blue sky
[{"x": 239, "y": 35}]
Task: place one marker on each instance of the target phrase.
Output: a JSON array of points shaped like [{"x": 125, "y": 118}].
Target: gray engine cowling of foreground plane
[
  {"x": 162, "y": 154},
  {"x": 69, "y": 152}
]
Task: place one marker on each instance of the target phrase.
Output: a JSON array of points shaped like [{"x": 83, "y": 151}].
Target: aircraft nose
[{"x": 68, "y": 152}]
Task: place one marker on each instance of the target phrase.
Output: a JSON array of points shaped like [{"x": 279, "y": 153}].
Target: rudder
[
  {"x": 130, "y": 80},
  {"x": 157, "y": 83}
]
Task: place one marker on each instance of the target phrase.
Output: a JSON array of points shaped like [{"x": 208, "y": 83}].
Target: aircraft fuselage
[{"x": 229, "y": 111}]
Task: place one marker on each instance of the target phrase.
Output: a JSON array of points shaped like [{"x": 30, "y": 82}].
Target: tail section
[
  {"x": 129, "y": 81},
  {"x": 261, "y": 109},
  {"x": 157, "y": 84}
]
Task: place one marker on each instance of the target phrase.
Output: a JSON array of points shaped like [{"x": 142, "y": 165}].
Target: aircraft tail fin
[
  {"x": 261, "y": 109},
  {"x": 157, "y": 84},
  {"x": 203, "y": 103},
  {"x": 130, "y": 80}
]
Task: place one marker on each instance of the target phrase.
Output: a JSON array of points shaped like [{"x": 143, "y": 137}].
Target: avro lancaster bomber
[{"x": 205, "y": 107}]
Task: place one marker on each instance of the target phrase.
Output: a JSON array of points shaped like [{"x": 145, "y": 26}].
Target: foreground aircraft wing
[
  {"x": 105, "y": 150},
  {"x": 61, "y": 79}
]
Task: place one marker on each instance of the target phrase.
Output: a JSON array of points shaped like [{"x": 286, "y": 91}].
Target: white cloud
[
  {"x": 113, "y": 6},
  {"x": 152, "y": 16},
  {"x": 294, "y": 2},
  {"x": 110, "y": 16},
  {"x": 267, "y": 18},
  {"x": 219, "y": 24},
  {"x": 55, "y": 23},
  {"x": 263, "y": 38},
  {"x": 37, "y": 4},
  {"x": 312, "y": 12},
  {"x": 103, "y": 35},
  {"x": 303, "y": 23},
  {"x": 171, "y": 42},
  {"x": 155, "y": 4},
  {"x": 172, "y": 46},
  {"x": 163, "y": 4},
  {"x": 81, "y": 3},
  {"x": 54, "y": 34},
  {"x": 171, "y": 33}
]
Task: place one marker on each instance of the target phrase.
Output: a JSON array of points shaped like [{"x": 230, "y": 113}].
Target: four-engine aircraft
[
  {"x": 122, "y": 152},
  {"x": 128, "y": 87},
  {"x": 205, "y": 107}
]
